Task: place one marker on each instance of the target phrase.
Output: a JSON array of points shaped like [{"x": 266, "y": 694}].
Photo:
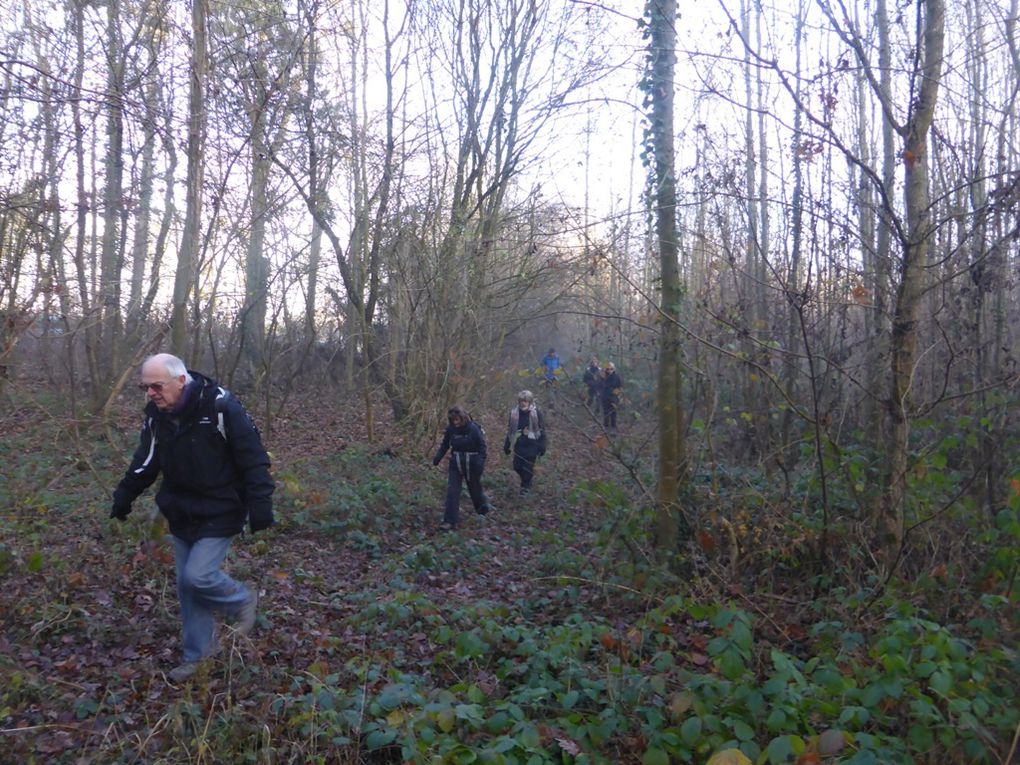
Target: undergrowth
[{"x": 540, "y": 635}]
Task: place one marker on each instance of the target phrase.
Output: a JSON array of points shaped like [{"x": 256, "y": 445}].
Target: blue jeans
[{"x": 204, "y": 589}]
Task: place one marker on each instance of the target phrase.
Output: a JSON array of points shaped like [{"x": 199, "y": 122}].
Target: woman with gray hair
[{"x": 525, "y": 434}]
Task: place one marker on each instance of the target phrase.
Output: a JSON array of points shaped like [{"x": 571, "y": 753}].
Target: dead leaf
[
  {"x": 568, "y": 746},
  {"x": 729, "y": 757},
  {"x": 831, "y": 742},
  {"x": 77, "y": 579}
]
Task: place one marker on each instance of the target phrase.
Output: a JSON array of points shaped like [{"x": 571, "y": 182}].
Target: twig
[{"x": 1012, "y": 748}]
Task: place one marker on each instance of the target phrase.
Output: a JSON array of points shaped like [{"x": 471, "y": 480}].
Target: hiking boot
[
  {"x": 246, "y": 616},
  {"x": 183, "y": 672},
  {"x": 485, "y": 509}
]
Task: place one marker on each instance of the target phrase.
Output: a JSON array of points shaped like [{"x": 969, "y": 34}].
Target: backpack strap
[
  {"x": 150, "y": 423},
  {"x": 220, "y": 404}
]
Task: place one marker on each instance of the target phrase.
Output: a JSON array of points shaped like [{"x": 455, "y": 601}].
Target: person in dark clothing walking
[
  {"x": 215, "y": 477},
  {"x": 525, "y": 434},
  {"x": 593, "y": 381},
  {"x": 612, "y": 387},
  {"x": 465, "y": 440}
]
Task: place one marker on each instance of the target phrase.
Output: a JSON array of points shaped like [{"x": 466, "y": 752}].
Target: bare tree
[{"x": 187, "y": 255}]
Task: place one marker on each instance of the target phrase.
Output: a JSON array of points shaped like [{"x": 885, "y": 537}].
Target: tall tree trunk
[
  {"x": 915, "y": 255},
  {"x": 793, "y": 275},
  {"x": 314, "y": 189},
  {"x": 885, "y": 232},
  {"x": 82, "y": 203},
  {"x": 111, "y": 258},
  {"x": 755, "y": 405},
  {"x": 140, "y": 248},
  {"x": 661, "y": 67},
  {"x": 868, "y": 293},
  {"x": 187, "y": 255},
  {"x": 986, "y": 266},
  {"x": 55, "y": 273},
  {"x": 256, "y": 264}
]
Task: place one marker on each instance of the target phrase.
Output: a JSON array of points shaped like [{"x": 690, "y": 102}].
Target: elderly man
[{"x": 215, "y": 475}]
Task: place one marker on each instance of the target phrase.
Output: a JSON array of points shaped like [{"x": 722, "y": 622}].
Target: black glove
[
  {"x": 260, "y": 522},
  {"x": 120, "y": 512},
  {"x": 437, "y": 460}
]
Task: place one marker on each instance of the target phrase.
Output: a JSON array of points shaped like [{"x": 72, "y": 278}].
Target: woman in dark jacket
[
  {"x": 465, "y": 440},
  {"x": 525, "y": 432},
  {"x": 611, "y": 389}
]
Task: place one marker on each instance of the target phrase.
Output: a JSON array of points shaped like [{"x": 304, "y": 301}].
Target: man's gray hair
[
  {"x": 173, "y": 365},
  {"x": 525, "y": 395}
]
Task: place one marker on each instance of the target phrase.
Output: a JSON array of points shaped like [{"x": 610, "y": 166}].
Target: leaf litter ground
[{"x": 89, "y": 610}]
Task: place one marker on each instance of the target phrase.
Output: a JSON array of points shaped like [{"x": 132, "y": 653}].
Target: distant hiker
[
  {"x": 215, "y": 476},
  {"x": 612, "y": 388},
  {"x": 550, "y": 364},
  {"x": 593, "y": 381},
  {"x": 525, "y": 434},
  {"x": 466, "y": 441}
]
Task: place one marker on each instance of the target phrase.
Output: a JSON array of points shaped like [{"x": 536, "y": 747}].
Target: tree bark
[
  {"x": 662, "y": 64},
  {"x": 184, "y": 278},
  {"x": 111, "y": 258},
  {"x": 912, "y": 269}
]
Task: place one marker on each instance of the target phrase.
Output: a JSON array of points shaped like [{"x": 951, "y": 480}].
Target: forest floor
[
  {"x": 88, "y": 606},
  {"x": 527, "y": 636}
]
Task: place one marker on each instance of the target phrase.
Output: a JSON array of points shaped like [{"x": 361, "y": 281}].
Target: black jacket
[
  {"x": 467, "y": 444},
  {"x": 215, "y": 469},
  {"x": 517, "y": 436},
  {"x": 611, "y": 386}
]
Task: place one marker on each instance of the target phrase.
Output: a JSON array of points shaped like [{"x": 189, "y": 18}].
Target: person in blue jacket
[
  {"x": 215, "y": 477},
  {"x": 465, "y": 440},
  {"x": 550, "y": 364}
]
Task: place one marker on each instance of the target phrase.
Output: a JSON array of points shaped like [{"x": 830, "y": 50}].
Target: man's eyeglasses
[{"x": 156, "y": 387}]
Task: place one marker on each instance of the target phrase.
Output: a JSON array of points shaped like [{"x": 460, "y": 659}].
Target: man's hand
[
  {"x": 436, "y": 461},
  {"x": 260, "y": 522},
  {"x": 120, "y": 512}
]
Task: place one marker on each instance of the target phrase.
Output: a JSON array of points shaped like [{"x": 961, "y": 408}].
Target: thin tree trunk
[
  {"x": 82, "y": 202},
  {"x": 187, "y": 256},
  {"x": 884, "y": 241},
  {"x": 113, "y": 198},
  {"x": 142, "y": 237},
  {"x": 662, "y": 63},
  {"x": 911, "y": 287},
  {"x": 793, "y": 275}
]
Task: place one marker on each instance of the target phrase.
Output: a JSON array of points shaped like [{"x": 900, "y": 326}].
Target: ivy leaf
[{"x": 655, "y": 756}]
